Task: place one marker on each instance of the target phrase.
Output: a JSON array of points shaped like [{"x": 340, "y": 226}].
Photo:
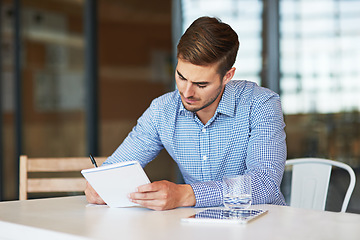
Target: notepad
[{"x": 114, "y": 182}]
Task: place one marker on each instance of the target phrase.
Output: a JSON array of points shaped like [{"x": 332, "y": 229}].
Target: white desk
[{"x": 71, "y": 218}]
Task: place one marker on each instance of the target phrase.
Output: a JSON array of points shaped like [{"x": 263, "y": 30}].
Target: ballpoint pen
[{"x": 93, "y": 160}]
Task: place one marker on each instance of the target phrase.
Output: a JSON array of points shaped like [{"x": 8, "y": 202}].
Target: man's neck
[
  {"x": 206, "y": 114},
  {"x": 204, "y": 118}
]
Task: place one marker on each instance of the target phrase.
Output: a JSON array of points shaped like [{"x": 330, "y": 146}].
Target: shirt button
[
  {"x": 205, "y": 157},
  {"x": 203, "y": 130}
]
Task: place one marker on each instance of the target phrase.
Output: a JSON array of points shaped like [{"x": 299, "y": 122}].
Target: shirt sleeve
[
  {"x": 266, "y": 154},
  {"x": 142, "y": 144},
  {"x": 208, "y": 194}
]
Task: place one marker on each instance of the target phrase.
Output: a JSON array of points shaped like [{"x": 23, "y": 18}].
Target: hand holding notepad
[{"x": 114, "y": 182}]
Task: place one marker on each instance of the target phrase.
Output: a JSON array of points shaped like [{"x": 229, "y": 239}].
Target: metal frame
[
  {"x": 1, "y": 114},
  {"x": 177, "y": 17},
  {"x": 91, "y": 77},
  {"x": 271, "y": 50},
  {"x": 176, "y": 24},
  {"x": 313, "y": 177},
  {"x": 18, "y": 87}
]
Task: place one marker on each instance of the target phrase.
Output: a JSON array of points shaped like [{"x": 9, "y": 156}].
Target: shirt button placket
[{"x": 204, "y": 148}]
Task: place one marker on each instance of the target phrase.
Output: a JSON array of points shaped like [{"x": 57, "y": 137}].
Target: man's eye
[
  {"x": 181, "y": 77},
  {"x": 201, "y": 86}
]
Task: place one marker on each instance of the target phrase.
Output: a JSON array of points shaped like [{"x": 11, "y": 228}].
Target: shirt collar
[
  {"x": 227, "y": 102},
  {"x": 182, "y": 110}
]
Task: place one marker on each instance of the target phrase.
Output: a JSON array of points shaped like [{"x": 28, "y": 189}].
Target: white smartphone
[{"x": 224, "y": 216}]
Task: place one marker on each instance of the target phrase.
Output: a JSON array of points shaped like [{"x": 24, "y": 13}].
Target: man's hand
[
  {"x": 164, "y": 195},
  {"x": 92, "y": 196}
]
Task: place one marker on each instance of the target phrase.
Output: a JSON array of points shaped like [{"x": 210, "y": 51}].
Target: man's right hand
[{"x": 92, "y": 196}]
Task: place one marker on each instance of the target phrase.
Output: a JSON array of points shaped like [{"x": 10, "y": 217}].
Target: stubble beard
[{"x": 211, "y": 101}]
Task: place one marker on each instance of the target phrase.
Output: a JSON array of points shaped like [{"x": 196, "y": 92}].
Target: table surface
[{"x": 73, "y": 218}]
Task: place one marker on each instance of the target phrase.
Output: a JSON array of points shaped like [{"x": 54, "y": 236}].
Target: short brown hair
[{"x": 208, "y": 41}]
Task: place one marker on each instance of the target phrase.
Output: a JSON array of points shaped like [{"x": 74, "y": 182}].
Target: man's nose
[{"x": 188, "y": 92}]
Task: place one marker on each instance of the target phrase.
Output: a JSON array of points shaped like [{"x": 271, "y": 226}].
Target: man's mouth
[{"x": 190, "y": 100}]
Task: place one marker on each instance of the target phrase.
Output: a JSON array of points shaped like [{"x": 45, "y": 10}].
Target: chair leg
[{"x": 23, "y": 178}]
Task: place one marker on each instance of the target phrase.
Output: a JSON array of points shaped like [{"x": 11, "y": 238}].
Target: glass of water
[{"x": 237, "y": 192}]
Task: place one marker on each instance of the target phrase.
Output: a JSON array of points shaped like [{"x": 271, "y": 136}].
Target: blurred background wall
[
  {"x": 134, "y": 67},
  {"x": 307, "y": 51}
]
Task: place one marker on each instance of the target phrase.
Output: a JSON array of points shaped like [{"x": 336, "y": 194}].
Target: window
[
  {"x": 320, "y": 56},
  {"x": 245, "y": 17}
]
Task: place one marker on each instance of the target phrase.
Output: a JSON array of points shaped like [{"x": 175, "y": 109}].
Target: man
[{"x": 210, "y": 126}]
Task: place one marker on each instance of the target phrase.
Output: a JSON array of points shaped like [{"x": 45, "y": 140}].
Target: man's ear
[{"x": 229, "y": 75}]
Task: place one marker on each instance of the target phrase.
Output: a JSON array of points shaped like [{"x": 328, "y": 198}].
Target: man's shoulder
[
  {"x": 250, "y": 90},
  {"x": 166, "y": 102}
]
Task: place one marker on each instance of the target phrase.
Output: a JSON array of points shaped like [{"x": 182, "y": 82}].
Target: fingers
[
  {"x": 92, "y": 196},
  {"x": 151, "y": 191},
  {"x": 151, "y": 187},
  {"x": 158, "y": 205},
  {"x": 157, "y": 195}
]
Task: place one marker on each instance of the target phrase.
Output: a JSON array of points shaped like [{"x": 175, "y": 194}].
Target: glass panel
[
  {"x": 244, "y": 16},
  {"x": 319, "y": 48},
  {"x": 135, "y": 67},
  {"x": 53, "y": 78},
  {"x": 320, "y": 56},
  {"x": 7, "y": 101},
  {"x": 52, "y": 74}
]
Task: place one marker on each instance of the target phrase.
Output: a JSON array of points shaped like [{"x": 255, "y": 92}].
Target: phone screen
[{"x": 225, "y": 216}]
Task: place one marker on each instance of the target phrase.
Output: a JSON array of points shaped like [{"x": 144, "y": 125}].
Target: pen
[{"x": 93, "y": 160}]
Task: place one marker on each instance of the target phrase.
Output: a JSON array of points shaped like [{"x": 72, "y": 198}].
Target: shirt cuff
[{"x": 208, "y": 194}]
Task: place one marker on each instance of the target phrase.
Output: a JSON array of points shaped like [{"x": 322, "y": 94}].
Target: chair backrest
[
  {"x": 310, "y": 182},
  {"x": 56, "y": 167}
]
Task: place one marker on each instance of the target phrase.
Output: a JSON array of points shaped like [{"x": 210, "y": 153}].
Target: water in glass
[{"x": 242, "y": 201}]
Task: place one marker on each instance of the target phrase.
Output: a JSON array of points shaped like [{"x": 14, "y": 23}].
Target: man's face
[{"x": 200, "y": 87}]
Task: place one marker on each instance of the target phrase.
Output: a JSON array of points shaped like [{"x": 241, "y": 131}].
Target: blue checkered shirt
[{"x": 245, "y": 136}]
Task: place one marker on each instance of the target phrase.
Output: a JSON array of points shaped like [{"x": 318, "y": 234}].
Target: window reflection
[{"x": 320, "y": 56}]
